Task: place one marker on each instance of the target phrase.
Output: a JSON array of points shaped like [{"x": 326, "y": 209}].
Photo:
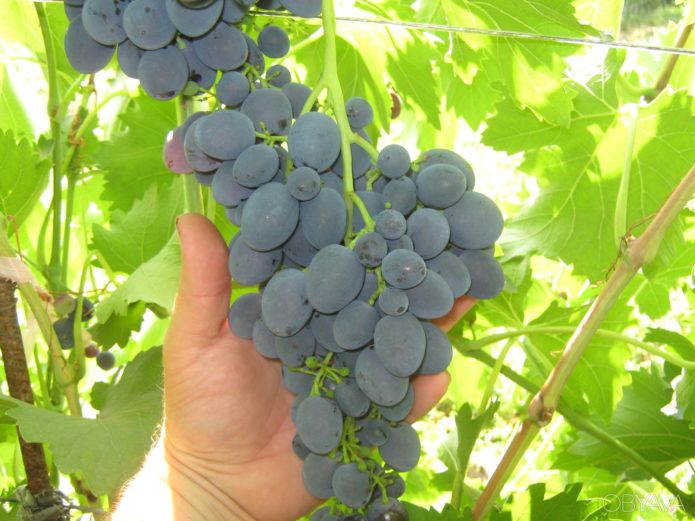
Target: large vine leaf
[
  {"x": 132, "y": 159},
  {"x": 140, "y": 233},
  {"x": 640, "y": 424},
  {"x": 24, "y": 176},
  {"x": 108, "y": 449},
  {"x": 578, "y": 169},
  {"x": 13, "y": 113}
]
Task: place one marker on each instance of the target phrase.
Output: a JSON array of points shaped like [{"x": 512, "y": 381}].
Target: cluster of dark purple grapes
[
  {"x": 173, "y": 46},
  {"x": 64, "y": 328},
  {"x": 348, "y": 282}
]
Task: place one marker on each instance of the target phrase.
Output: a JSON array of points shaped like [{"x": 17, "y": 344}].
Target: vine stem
[
  {"x": 581, "y": 423},
  {"x": 330, "y": 80},
  {"x": 469, "y": 345},
  {"x": 65, "y": 375},
  {"x": 641, "y": 251},
  {"x": 665, "y": 76},
  {"x": 54, "y": 270}
]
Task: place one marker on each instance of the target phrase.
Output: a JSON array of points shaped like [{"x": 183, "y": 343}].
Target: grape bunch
[
  {"x": 173, "y": 46},
  {"x": 345, "y": 301}
]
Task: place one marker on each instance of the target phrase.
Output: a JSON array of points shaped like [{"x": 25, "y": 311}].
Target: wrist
[{"x": 167, "y": 489}]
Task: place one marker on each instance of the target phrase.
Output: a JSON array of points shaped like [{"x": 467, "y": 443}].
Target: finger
[
  {"x": 429, "y": 389},
  {"x": 461, "y": 306},
  {"x": 201, "y": 305}
]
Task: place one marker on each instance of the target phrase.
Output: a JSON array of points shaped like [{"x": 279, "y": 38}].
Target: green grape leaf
[
  {"x": 24, "y": 176},
  {"x": 108, "y": 449},
  {"x": 140, "y": 233},
  {"x": 685, "y": 398},
  {"x": 604, "y": 15},
  {"x": 680, "y": 344},
  {"x": 639, "y": 423},
  {"x": 578, "y": 172},
  {"x": 132, "y": 158},
  {"x": 154, "y": 282},
  {"x": 448, "y": 513},
  {"x": 117, "y": 328},
  {"x": 13, "y": 112},
  {"x": 532, "y": 505}
]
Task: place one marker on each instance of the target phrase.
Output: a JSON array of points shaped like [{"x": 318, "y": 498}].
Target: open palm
[{"x": 227, "y": 415}]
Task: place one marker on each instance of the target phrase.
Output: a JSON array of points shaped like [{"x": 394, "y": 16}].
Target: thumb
[{"x": 201, "y": 305}]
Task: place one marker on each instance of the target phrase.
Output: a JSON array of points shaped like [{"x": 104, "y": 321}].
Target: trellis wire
[{"x": 497, "y": 33}]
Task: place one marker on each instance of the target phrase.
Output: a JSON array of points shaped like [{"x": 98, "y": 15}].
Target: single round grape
[
  {"x": 402, "y": 243},
  {"x": 369, "y": 287},
  {"x": 361, "y": 160},
  {"x": 374, "y": 432},
  {"x": 195, "y": 4},
  {"x": 284, "y": 304},
  {"x": 322, "y": 328},
  {"x": 278, "y": 76},
  {"x": 487, "y": 278},
  {"x": 147, "y": 24},
  {"x": 475, "y": 221},
  {"x": 255, "y": 58},
  {"x": 359, "y": 112},
  {"x": 314, "y": 140},
  {"x": 84, "y": 53},
  {"x": 129, "y": 56},
  {"x": 303, "y": 8},
  {"x": 394, "y": 161},
  {"x": 63, "y": 329},
  {"x": 270, "y": 111},
  {"x": 106, "y": 360},
  {"x": 294, "y": 350},
  {"x": 174, "y": 155},
  {"x": 225, "y": 188},
  {"x": 202, "y": 76},
  {"x": 317, "y": 474},
  {"x": 319, "y": 424},
  {"x": 225, "y": 134},
  {"x": 399, "y": 342},
  {"x": 304, "y": 183},
  {"x": 440, "y": 186},
  {"x": 351, "y": 485},
  {"x": 72, "y": 12},
  {"x": 401, "y": 193},
  {"x": 334, "y": 278},
  {"x": 256, "y": 165},
  {"x": 332, "y": 181},
  {"x": 243, "y": 314},
  {"x": 391, "y": 510},
  {"x": 400, "y": 411},
  {"x": 163, "y": 73},
  {"x": 250, "y": 267},
  {"x": 296, "y": 382},
  {"x": 402, "y": 450},
  {"x": 233, "y": 11},
  {"x": 233, "y": 214},
  {"x": 298, "y": 249},
  {"x": 264, "y": 340},
  {"x": 233, "y": 88},
  {"x": 299, "y": 448},
  {"x": 430, "y": 299},
  {"x": 453, "y": 271},
  {"x": 390, "y": 224},
  {"x": 438, "y": 351},
  {"x": 439, "y": 156},
  {"x": 273, "y": 41},
  {"x": 103, "y": 20},
  {"x": 270, "y": 217},
  {"x": 324, "y": 218},
  {"x": 371, "y": 248},
  {"x": 194, "y": 22},
  {"x": 379, "y": 384},
  {"x": 393, "y": 301},
  {"x": 354, "y": 325},
  {"x": 429, "y": 231},
  {"x": 224, "y": 48},
  {"x": 351, "y": 400},
  {"x": 403, "y": 268},
  {"x": 297, "y": 94},
  {"x": 198, "y": 159}
]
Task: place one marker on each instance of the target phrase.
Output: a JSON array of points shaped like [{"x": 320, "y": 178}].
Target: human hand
[{"x": 227, "y": 416}]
